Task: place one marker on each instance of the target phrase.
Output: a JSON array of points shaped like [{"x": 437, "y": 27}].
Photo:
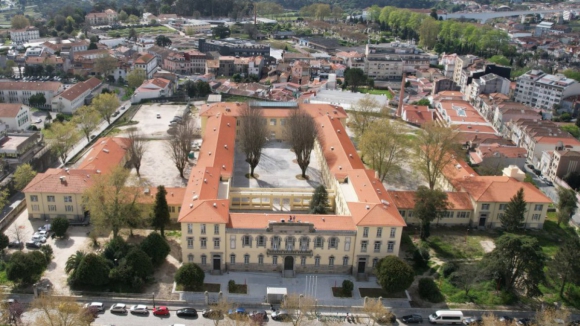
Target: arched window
[
  {"x": 246, "y": 241},
  {"x": 246, "y": 259},
  {"x": 333, "y": 243},
  {"x": 290, "y": 243},
  {"x": 190, "y": 258},
  {"x": 275, "y": 242},
  {"x": 232, "y": 259},
  {"x": 261, "y": 241},
  {"x": 304, "y": 243},
  {"x": 319, "y": 242}
]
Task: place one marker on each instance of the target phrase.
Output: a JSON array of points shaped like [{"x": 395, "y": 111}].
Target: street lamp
[{"x": 153, "y": 294}]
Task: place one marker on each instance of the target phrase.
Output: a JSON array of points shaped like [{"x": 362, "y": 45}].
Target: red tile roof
[
  {"x": 106, "y": 154},
  {"x": 75, "y": 181},
  {"x": 10, "y": 110},
  {"x": 406, "y": 200}
]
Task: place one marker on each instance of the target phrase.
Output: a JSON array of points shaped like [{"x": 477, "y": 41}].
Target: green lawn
[
  {"x": 373, "y": 91},
  {"x": 141, "y": 30}
]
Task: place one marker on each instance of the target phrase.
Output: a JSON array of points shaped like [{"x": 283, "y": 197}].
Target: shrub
[
  {"x": 421, "y": 257},
  {"x": 117, "y": 248},
  {"x": 156, "y": 247},
  {"x": 394, "y": 274},
  {"x": 26, "y": 268},
  {"x": 59, "y": 225},
  {"x": 448, "y": 268},
  {"x": 92, "y": 271},
  {"x": 190, "y": 276},
  {"x": 429, "y": 291},
  {"x": 347, "y": 287},
  {"x": 231, "y": 286},
  {"x": 47, "y": 251}
]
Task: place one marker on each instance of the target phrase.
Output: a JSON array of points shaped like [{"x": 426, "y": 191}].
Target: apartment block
[
  {"x": 20, "y": 92},
  {"x": 544, "y": 91},
  {"x": 24, "y": 35}
]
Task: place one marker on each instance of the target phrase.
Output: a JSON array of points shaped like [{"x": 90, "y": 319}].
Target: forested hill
[{"x": 358, "y": 4}]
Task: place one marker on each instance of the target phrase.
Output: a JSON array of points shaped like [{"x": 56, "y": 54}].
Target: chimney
[{"x": 401, "y": 96}]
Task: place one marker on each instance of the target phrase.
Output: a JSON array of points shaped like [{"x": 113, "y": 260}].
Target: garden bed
[
  {"x": 338, "y": 293},
  {"x": 209, "y": 287},
  {"x": 239, "y": 289},
  {"x": 378, "y": 292}
]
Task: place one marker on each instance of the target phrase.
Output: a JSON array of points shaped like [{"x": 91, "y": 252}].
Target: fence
[{"x": 13, "y": 213}]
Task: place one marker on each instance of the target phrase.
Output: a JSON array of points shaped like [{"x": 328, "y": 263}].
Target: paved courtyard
[
  {"x": 157, "y": 167},
  {"x": 151, "y": 126},
  {"x": 277, "y": 169}
]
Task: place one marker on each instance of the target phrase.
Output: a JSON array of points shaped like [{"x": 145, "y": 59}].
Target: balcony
[{"x": 281, "y": 252}]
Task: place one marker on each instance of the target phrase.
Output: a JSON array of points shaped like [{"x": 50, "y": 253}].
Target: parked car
[
  {"x": 389, "y": 319},
  {"x": 38, "y": 238},
  {"x": 161, "y": 311},
  {"x": 186, "y": 312},
  {"x": 33, "y": 245},
  {"x": 237, "y": 312},
  {"x": 280, "y": 315},
  {"x": 119, "y": 308},
  {"x": 43, "y": 233},
  {"x": 15, "y": 244},
  {"x": 412, "y": 319},
  {"x": 474, "y": 321},
  {"x": 139, "y": 309},
  {"x": 212, "y": 314},
  {"x": 38, "y": 120},
  {"x": 506, "y": 319},
  {"x": 529, "y": 321},
  {"x": 258, "y": 315},
  {"x": 116, "y": 113},
  {"x": 158, "y": 116},
  {"x": 45, "y": 227},
  {"x": 96, "y": 305}
]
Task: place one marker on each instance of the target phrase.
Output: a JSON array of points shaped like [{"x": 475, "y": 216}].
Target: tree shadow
[{"x": 64, "y": 243}]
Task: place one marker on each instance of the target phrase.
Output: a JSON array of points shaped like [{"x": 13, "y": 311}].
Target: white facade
[
  {"x": 24, "y": 35},
  {"x": 487, "y": 84},
  {"x": 20, "y": 92},
  {"x": 154, "y": 88},
  {"x": 15, "y": 116},
  {"x": 540, "y": 90}
]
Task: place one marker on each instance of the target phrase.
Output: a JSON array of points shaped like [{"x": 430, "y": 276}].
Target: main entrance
[
  {"x": 217, "y": 262},
  {"x": 482, "y": 219},
  {"x": 361, "y": 266},
  {"x": 289, "y": 263}
]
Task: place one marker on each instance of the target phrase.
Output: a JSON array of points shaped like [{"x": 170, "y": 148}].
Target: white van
[{"x": 446, "y": 317}]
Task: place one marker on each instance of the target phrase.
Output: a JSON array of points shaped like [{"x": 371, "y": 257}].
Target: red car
[{"x": 160, "y": 311}]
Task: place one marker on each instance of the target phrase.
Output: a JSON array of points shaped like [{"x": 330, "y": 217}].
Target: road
[{"x": 483, "y": 16}]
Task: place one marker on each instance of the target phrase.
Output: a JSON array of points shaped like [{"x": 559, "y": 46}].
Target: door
[
  {"x": 217, "y": 263},
  {"x": 482, "y": 219},
  {"x": 289, "y": 263},
  {"x": 361, "y": 266}
]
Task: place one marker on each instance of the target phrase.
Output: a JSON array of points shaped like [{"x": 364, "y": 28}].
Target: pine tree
[
  {"x": 160, "y": 211},
  {"x": 514, "y": 214},
  {"x": 319, "y": 201}
]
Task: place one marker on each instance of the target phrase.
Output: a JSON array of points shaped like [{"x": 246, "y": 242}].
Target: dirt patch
[
  {"x": 378, "y": 292},
  {"x": 487, "y": 245}
]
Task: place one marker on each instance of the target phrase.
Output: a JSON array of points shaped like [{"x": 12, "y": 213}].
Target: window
[
  {"x": 190, "y": 258},
  {"x": 34, "y": 198},
  {"x": 282, "y": 122},
  {"x": 410, "y": 214},
  {"x": 68, "y": 199},
  {"x": 216, "y": 243},
  {"x": 35, "y": 208},
  {"x": 363, "y": 246},
  {"x": 347, "y": 244},
  {"x": 50, "y": 199},
  {"x": 304, "y": 243},
  {"x": 317, "y": 261},
  {"x": 261, "y": 241},
  {"x": 232, "y": 259},
  {"x": 345, "y": 261},
  {"x": 393, "y": 232},
  {"x": 402, "y": 213},
  {"x": 303, "y": 261},
  {"x": 261, "y": 260},
  {"x": 538, "y": 207},
  {"x": 502, "y": 207},
  {"x": 290, "y": 241},
  {"x": 216, "y": 229},
  {"x": 375, "y": 262},
  {"x": 390, "y": 246},
  {"x": 203, "y": 259},
  {"x": 377, "y": 246},
  {"x": 246, "y": 241},
  {"x": 275, "y": 260},
  {"x": 331, "y": 261},
  {"x": 246, "y": 259},
  {"x": 190, "y": 243},
  {"x": 203, "y": 242},
  {"x": 189, "y": 228},
  {"x": 272, "y": 122},
  {"x": 333, "y": 243},
  {"x": 275, "y": 242},
  {"x": 68, "y": 208},
  {"x": 202, "y": 229},
  {"x": 379, "y": 232},
  {"x": 319, "y": 242},
  {"x": 366, "y": 232},
  {"x": 232, "y": 242},
  {"x": 463, "y": 214},
  {"x": 52, "y": 208},
  {"x": 448, "y": 214},
  {"x": 485, "y": 207},
  {"x": 536, "y": 217}
]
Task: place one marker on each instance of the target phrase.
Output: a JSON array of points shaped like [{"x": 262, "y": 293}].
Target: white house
[
  {"x": 15, "y": 116},
  {"x": 25, "y": 34},
  {"x": 74, "y": 97},
  {"x": 148, "y": 63},
  {"x": 152, "y": 88}
]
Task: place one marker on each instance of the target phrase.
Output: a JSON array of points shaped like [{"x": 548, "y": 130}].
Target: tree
[
  {"x": 47, "y": 251},
  {"x": 319, "y": 201},
  {"x": 337, "y": 12},
  {"x": 156, "y": 247},
  {"x": 87, "y": 119},
  {"x": 433, "y": 14},
  {"x": 23, "y": 175},
  {"x": 132, "y": 34},
  {"x": 133, "y": 19},
  {"x": 354, "y": 77},
  {"x": 252, "y": 135},
  {"x": 301, "y": 131},
  {"x": 163, "y": 41},
  {"x": 105, "y": 65},
  {"x": 430, "y": 204},
  {"x": 221, "y": 31},
  {"x": 466, "y": 276},
  {"x": 19, "y": 22},
  {"x": 322, "y": 11},
  {"x": 190, "y": 276},
  {"x": 517, "y": 262},
  {"x": 567, "y": 204},
  {"x": 394, "y": 274},
  {"x": 565, "y": 266},
  {"x": 73, "y": 262},
  {"x": 136, "y": 77},
  {"x": 106, "y": 105},
  {"x": 61, "y": 311},
  {"x": 4, "y": 198},
  {"x": 179, "y": 144},
  {"x": 136, "y": 150},
  {"x": 17, "y": 232},
  {"x": 300, "y": 308},
  {"x": 122, "y": 16},
  {"x": 92, "y": 271},
  {"x": 573, "y": 179},
  {"x": 59, "y": 225},
  {"x": 25, "y": 268},
  {"x": 434, "y": 148},
  {"x": 376, "y": 312},
  {"x": 515, "y": 211},
  {"x": 384, "y": 146},
  {"x": 37, "y": 100},
  {"x": 347, "y": 287},
  {"x": 110, "y": 201},
  {"x": 4, "y": 241},
  {"x": 362, "y": 115},
  {"x": 61, "y": 137},
  {"x": 161, "y": 217},
  {"x": 500, "y": 60},
  {"x": 92, "y": 46}
]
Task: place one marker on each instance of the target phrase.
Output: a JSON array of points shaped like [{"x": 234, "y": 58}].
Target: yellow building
[{"x": 217, "y": 236}]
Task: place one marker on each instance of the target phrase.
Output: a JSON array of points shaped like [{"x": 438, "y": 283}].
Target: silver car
[
  {"x": 139, "y": 309},
  {"x": 119, "y": 308}
]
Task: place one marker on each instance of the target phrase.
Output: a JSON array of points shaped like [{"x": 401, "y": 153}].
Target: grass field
[
  {"x": 141, "y": 30},
  {"x": 282, "y": 45},
  {"x": 373, "y": 91}
]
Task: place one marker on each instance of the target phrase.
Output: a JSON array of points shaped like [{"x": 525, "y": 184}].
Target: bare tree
[
  {"x": 136, "y": 150},
  {"x": 301, "y": 131},
  {"x": 179, "y": 144},
  {"x": 219, "y": 310},
  {"x": 300, "y": 308},
  {"x": 385, "y": 146},
  {"x": 17, "y": 232},
  {"x": 252, "y": 136},
  {"x": 376, "y": 312},
  {"x": 363, "y": 113},
  {"x": 63, "y": 311}
]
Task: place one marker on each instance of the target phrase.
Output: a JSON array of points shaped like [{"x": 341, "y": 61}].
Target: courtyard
[
  {"x": 149, "y": 125},
  {"x": 277, "y": 169}
]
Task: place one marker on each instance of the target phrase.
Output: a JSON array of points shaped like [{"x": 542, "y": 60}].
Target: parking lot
[{"x": 149, "y": 125}]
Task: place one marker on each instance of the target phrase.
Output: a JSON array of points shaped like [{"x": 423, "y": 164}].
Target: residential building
[
  {"x": 479, "y": 68},
  {"x": 24, "y": 35},
  {"x": 416, "y": 114},
  {"x": 460, "y": 63},
  {"x": 69, "y": 47},
  {"x": 15, "y": 116},
  {"x": 151, "y": 89},
  {"x": 20, "y": 92},
  {"x": 282, "y": 35},
  {"x": 75, "y": 96},
  {"x": 234, "y": 47},
  {"x": 563, "y": 162},
  {"x": 148, "y": 63},
  {"x": 463, "y": 116},
  {"x": 18, "y": 148},
  {"x": 543, "y": 28},
  {"x": 448, "y": 62},
  {"x": 494, "y": 157},
  {"x": 487, "y": 84},
  {"x": 443, "y": 84},
  {"x": 189, "y": 62},
  {"x": 460, "y": 211},
  {"x": 364, "y": 226},
  {"x": 544, "y": 91},
  {"x": 353, "y": 59},
  {"x": 57, "y": 63},
  {"x": 108, "y": 17},
  {"x": 196, "y": 26}
]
